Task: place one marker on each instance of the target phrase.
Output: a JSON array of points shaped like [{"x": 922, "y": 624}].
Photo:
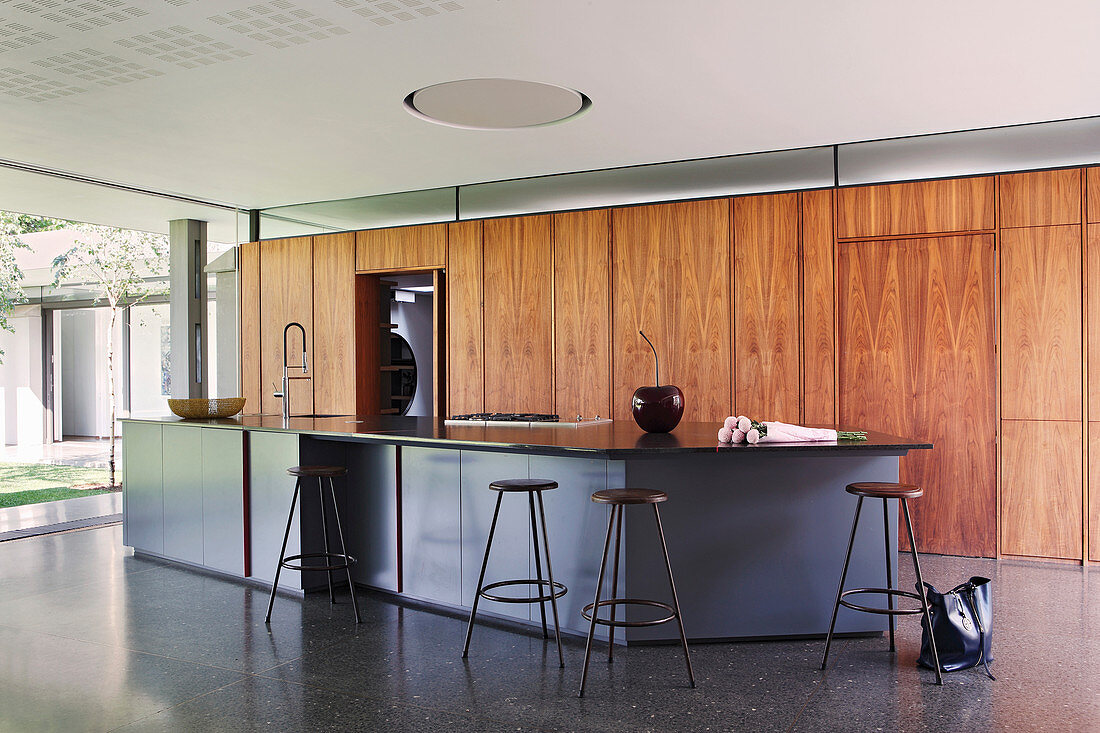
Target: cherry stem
[{"x": 656, "y": 363}]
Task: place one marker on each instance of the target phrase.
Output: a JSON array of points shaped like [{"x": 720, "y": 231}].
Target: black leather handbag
[{"x": 962, "y": 625}]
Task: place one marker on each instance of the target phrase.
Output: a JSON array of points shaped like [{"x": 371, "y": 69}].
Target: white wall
[
  {"x": 22, "y": 412},
  {"x": 414, "y": 322}
]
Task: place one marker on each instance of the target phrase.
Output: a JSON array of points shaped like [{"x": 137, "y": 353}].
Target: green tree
[
  {"x": 123, "y": 267},
  {"x": 11, "y": 226}
]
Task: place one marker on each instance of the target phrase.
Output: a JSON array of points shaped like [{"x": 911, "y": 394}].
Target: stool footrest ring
[
  {"x": 344, "y": 561},
  {"x": 559, "y": 591},
  {"x": 882, "y": 611},
  {"x": 586, "y": 612}
]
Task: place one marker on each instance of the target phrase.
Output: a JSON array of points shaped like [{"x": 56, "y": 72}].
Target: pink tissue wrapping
[
  {"x": 724, "y": 435},
  {"x": 738, "y": 436},
  {"x": 730, "y": 423},
  {"x": 781, "y": 432}
]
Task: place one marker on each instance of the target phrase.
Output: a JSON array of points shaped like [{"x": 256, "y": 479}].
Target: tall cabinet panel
[
  {"x": 286, "y": 267},
  {"x": 333, "y": 358},
  {"x": 518, "y": 315},
  {"x": 766, "y": 307},
  {"x": 582, "y": 315},
  {"x": 1041, "y": 488},
  {"x": 917, "y": 358},
  {"x": 1093, "y": 321},
  {"x": 671, "y": 270},
  {"x": 250, "y": 326},
  {"x": 465, "y": 319},
  {"x": 818, "y": 300}
]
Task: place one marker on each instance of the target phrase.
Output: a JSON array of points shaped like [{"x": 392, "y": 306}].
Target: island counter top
[{"x": 618, "y": 439}]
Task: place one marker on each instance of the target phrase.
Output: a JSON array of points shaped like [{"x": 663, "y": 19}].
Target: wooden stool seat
[
  {"x": 884, "y": 490},
  {"x": 523, "y": 484},
  {"x": 317, "y": 471},
  {"x": 621, "y": 497}
]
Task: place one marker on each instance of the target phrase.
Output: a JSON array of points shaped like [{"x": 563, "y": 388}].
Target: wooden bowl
[{"x": 202, "y": 408}]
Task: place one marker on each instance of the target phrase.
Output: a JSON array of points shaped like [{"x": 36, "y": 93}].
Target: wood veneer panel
[
  {"x": 917, "y": 359},
  {"x": 519, "y": 315},
  {"x": 286, "y": 271},
  {"x": 1041, "y": 198},
  {"x": 398, "y": 248},
  {"x": 582, "y": 316},
  {"x": 671, "y": 279},
  {"x": 333, "y": 358},
  {"x": 1093, "y": 281},
  {"x": 1041, "y": 323},
  {"x": 250, "y": 326},
  {"x": 766, "y": 337},
  {"x": 368, "y": 344},
  {"x": 1041, "y": 489},
  {"x": 465, "y": 331},
  {"x": 818, "y": 301},
  {"x": 1094, "y": 491},
  {"x": 1092, "y": 182},
  {"x": 925, "y": 207}
]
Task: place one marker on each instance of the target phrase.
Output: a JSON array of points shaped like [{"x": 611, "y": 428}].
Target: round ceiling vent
[{"x": 496, "y": 104}]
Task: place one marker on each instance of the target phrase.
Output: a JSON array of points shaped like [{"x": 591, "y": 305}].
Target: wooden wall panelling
[
  {"x": 333, "y": 357},
  {"x": 925, "y": 207},
  {"x": 439, "y": 343},
  {"x": 1092, "y": 185},
  {"x": 766, "y": 332},
  {"x": 1041, "y": 198},
  {"x": 368, "y": 344},
  {"x": 1041, "y": 488},
  {"x": 917, "y": 359},
  {"x": 670, "y": 277},
  {"x": 1041, "y": 323},
  {"x": 1093, "y": 320},
  {"x": 251, "y": 384},
  {"x": 1094, "y": 491},
  {"x": 582, "y": 315},
  {"x": 287, "y": 295},
  {"x": 818, "y": 309},
  {"x": 465, "y": 326},
  {"x": 396, "y": 248},
  {"x": 518, "y": 300}
]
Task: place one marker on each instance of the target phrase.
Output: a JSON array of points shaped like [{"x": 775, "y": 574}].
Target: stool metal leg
[
  {"x": 481, "y": 576},
  {"x": 324, "y": 532},
  {"x": 282, "y": 550},
  {"x": 538, "y": 561},
  {"x": 550, "y": 576},
  {"x": 675, "y": 599},
  {"x": 889, "y": 578},
  {"x": 344, "y": 550},
  {"x": 920, "y": 589},
  {"x": 614, "y": 578},
  {"x": 843, "y": 577},
  {"x": 596, "y": 603}
]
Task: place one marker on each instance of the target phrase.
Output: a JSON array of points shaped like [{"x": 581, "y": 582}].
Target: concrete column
[{"x": 187, "y": 306}]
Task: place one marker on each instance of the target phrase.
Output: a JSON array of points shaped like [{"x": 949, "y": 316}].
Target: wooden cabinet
[
  {"x": 582, "y": 314},
  {"x": 925, "y": 207},
  {"x": 286, "y": 295},
  {"x": 766, "y": 333},
  {"x": 1041, "y": 198},
  {"x": 1092, "y": 183},
  {"x": 250, "y": 326},
  {"x": 1094, "y": 491},
  {"x": 917, "y": 359},
  {"x": 1093, "y": 321},
  {"x": 518, "y": 315},
  {"x": 1041, "y": 323},
  {"x": 818, "y": 301},
  {"x": 671, "y": 279},
  {"x": 1041, "y": 488},
  {"x": 465, "y": 325},
  {"x": 401, "y": 248},
  {"x": 333, "y": 358}
]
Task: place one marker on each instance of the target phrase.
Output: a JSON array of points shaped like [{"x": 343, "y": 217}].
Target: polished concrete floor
[
  {"x": 93, "y": 639},
  {"x": 72, "y": 451}
]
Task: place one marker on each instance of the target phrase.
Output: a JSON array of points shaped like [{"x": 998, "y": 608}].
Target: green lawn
[{"x": 33, "y": 483}]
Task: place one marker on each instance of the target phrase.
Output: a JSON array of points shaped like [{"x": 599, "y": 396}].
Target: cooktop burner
[{"x": 507, "y": 417}]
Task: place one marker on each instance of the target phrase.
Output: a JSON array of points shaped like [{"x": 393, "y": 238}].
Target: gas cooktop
[{"x": 507, "y": 417}]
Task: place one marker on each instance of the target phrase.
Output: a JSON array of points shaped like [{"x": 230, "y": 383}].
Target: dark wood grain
[
  {"x": 818, "y": 301},
  {"x": 518, "y": 315},
  {"x": 1041, "y": 198},
  {"x": 398, "y": 248},
  {"x": 1092, "y": 183},
  {"x": 333, "y": 331},
  {"x": 1041, "y": 323},
  {"x": 766, "y": 340},
  {"x": 368, "y": 346},
  {"x": 1041, "y": 488},
  {"x": 582, "y": 315},
  {"x": 286, "y": 271},
  {"x": 465, "y": 330},
  {"x": 671, "y": 279},
  {"x": 917, "y": 358},
  {"x": 250, "y": 326},
  {"x": 924, "y": 207}
]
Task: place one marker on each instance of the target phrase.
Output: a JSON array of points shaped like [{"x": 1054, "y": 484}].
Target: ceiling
[{"x": 272, "y": 102}]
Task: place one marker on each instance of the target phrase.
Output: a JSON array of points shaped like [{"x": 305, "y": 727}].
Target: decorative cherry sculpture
[{"x": 657, "y": 409}]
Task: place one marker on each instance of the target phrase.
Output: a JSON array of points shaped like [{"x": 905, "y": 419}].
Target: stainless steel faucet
[{"x": 304, "y": 366}]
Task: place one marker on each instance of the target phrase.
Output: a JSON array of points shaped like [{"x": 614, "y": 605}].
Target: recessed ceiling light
[{"x": 496, "y": 104}]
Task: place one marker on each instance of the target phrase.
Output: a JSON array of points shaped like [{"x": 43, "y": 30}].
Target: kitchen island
[{"x": 756, "y": 533}]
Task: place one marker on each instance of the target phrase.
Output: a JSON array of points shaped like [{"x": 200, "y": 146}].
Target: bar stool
[
  {"x": 336, "y": 561},
  {"x": 619, "y": 498},
  {"x": 884, "y": 491},
  {"x": 548, "y": 589}
]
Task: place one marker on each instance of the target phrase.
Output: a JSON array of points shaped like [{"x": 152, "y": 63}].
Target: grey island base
[{"x": 756, "y": 534}]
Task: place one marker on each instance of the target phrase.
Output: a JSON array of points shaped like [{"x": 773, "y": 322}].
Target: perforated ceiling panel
[
  {"x": 33, "y": 87},
  {"x": 97, "y": 67},
  {"x": 388, "y": 12},
  {"x": 182, "y": 46},
  {"x": 17, "y": 35},
  {"x": 80, "y": 15},
  {"x": 279, "y": 24}
]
